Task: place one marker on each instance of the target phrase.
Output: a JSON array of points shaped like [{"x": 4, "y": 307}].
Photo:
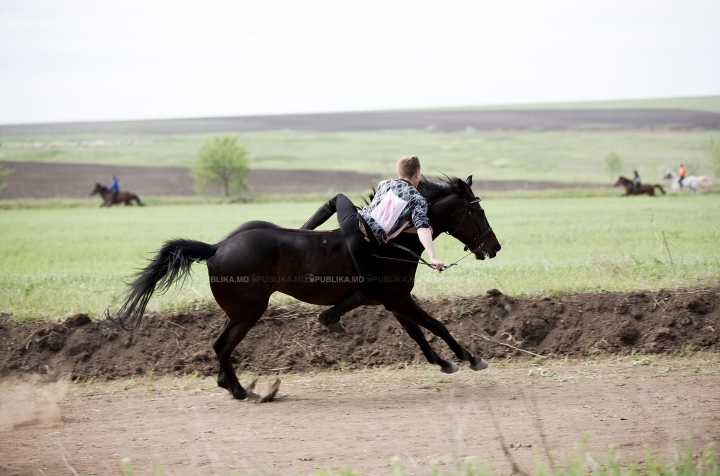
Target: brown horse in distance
[
  {"x": 642, "y": 189},
  {"x": 121, "y": 197}
]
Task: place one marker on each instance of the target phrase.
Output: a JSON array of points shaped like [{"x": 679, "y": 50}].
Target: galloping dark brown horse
[
  {"x": 259, "y": 258},
  {"x": 122, "y": 196},
  {"x": 642, "y": 189}
]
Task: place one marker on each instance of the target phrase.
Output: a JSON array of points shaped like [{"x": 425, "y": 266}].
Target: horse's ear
[
  {"x": 464, "y": 186},
  {"x": 469, "y": 181}
]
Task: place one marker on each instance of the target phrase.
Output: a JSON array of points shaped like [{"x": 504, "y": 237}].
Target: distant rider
[
  {"x": 636, "y": 182},
  {"x": 681, "y": 175},
  {"x": 396, "y": 206},
  {"x": 114, "y": 189}
]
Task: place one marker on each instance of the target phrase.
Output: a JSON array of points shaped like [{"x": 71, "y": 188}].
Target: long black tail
[
  {"x": 660, "y": 187},
  {"x": 172, "y": 263},
  {"x": 137, "y": 199}
]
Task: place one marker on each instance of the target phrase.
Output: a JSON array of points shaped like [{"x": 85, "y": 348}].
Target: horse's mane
[
  {"x": 431, "y": 190},
  {"x": 101, "y": 186}
]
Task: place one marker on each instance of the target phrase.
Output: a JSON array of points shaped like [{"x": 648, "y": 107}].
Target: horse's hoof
[
  {"x": 252, "y": 397},
  {"x": 479, "y": 365},
  {"x": 245, "y": 395},
  {"x": 450, "y": 369},
  {"x": 336, "y": 328}
]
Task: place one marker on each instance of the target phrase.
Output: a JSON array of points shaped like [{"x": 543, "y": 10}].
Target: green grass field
[
  {"x": 566, "y": 156},
  {"x": 56, "y": 262}
]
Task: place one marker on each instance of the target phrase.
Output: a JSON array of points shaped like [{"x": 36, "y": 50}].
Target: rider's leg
[
  {"x": 361, "y": 251},
  {"x": 112, "y": 197},
  {"x": 321, "y": 215}
]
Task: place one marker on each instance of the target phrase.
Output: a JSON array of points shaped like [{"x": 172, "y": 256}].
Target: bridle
[{"x": 478, "y": 236}]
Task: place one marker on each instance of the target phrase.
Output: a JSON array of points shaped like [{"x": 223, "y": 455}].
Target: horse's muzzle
[{"x": 489, "y": 251}]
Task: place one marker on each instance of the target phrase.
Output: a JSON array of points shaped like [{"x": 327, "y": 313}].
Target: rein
[
  {"x": 478, "y": 238},
  {"x": 420, "y": 258}
]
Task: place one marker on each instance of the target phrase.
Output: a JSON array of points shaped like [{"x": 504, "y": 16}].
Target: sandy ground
[
  {"x": 363, "y": 419},
  {"x": 379, "y": 120}
]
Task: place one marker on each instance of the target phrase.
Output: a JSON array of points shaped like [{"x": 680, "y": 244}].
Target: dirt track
[
  {"x": 363, "y": 416},
  {"x": 39, "y": 180},
  {"x": 363, "y": 419}
]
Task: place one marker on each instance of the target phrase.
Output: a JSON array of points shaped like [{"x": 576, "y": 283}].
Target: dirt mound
[{"x": 288, "y": 338}]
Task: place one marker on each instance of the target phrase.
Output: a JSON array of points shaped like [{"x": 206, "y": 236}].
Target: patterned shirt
[{"x": 414, "y": 211}]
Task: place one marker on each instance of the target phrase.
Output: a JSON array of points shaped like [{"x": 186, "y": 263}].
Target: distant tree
[
  {"x": 711, "y": 148},
  {"x": 221, "y": 160},
  {"x": 4, "y": 172},
  {"x": 613, "y": 163}
]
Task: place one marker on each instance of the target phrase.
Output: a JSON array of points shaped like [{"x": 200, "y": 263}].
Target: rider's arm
[
  {"x": 425, "y": 235},
  {"x": 422, "y": 225}
]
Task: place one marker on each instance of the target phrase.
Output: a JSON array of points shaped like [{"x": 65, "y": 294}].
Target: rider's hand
[{"x": 439, "y": 265}]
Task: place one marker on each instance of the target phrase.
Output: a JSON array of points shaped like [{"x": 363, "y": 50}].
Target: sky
[{"x": 116, "y": 60}]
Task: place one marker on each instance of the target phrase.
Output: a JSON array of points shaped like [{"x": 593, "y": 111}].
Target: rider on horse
[
  {"x": 681, "y": 174},
  {"x": 114, "y": 188},
  {"x": 636, "y": 181},
  {"x": 397, "y": 206}
]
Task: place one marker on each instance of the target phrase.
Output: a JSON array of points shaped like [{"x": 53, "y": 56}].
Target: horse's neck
[{"x": 439, "y": 221}]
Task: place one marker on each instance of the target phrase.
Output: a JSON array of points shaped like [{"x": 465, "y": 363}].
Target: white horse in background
[{"x": 693, "y": 182}]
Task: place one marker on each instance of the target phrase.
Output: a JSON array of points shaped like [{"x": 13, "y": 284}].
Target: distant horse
[
  {"x": 122, "y": 196},
  {"x": 693, "y": 182},
  {"x": 642, "y": 189},
  {"x": 259, "y": 258}
]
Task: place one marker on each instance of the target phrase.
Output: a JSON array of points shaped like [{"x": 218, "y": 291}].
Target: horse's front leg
[
  {"x": 409, "y": 309},
  {"x": 417, "y": 335}
]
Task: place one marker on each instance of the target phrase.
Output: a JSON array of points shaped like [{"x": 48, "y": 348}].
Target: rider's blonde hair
[{"x": 408, "y": 166}]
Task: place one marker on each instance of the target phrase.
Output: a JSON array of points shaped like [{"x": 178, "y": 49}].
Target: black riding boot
[
  {"x": 331, "y": 317},
  {"x": 319, "y": 217}
]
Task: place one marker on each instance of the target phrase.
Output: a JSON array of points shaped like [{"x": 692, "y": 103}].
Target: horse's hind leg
[
  {"x": 417, "y": 335},
  {"x": 409, "y": 309},
  {"x": 241, "y": 318},
  {"x": 220, "y": 343}
]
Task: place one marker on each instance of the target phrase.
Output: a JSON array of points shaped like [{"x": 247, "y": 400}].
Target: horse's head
[
  {"x": 668, "y": 175},
  {"x": 621, "y": 181},
  {"x": 98, "y": 189},
  {"x": 454, "y": 209}
]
